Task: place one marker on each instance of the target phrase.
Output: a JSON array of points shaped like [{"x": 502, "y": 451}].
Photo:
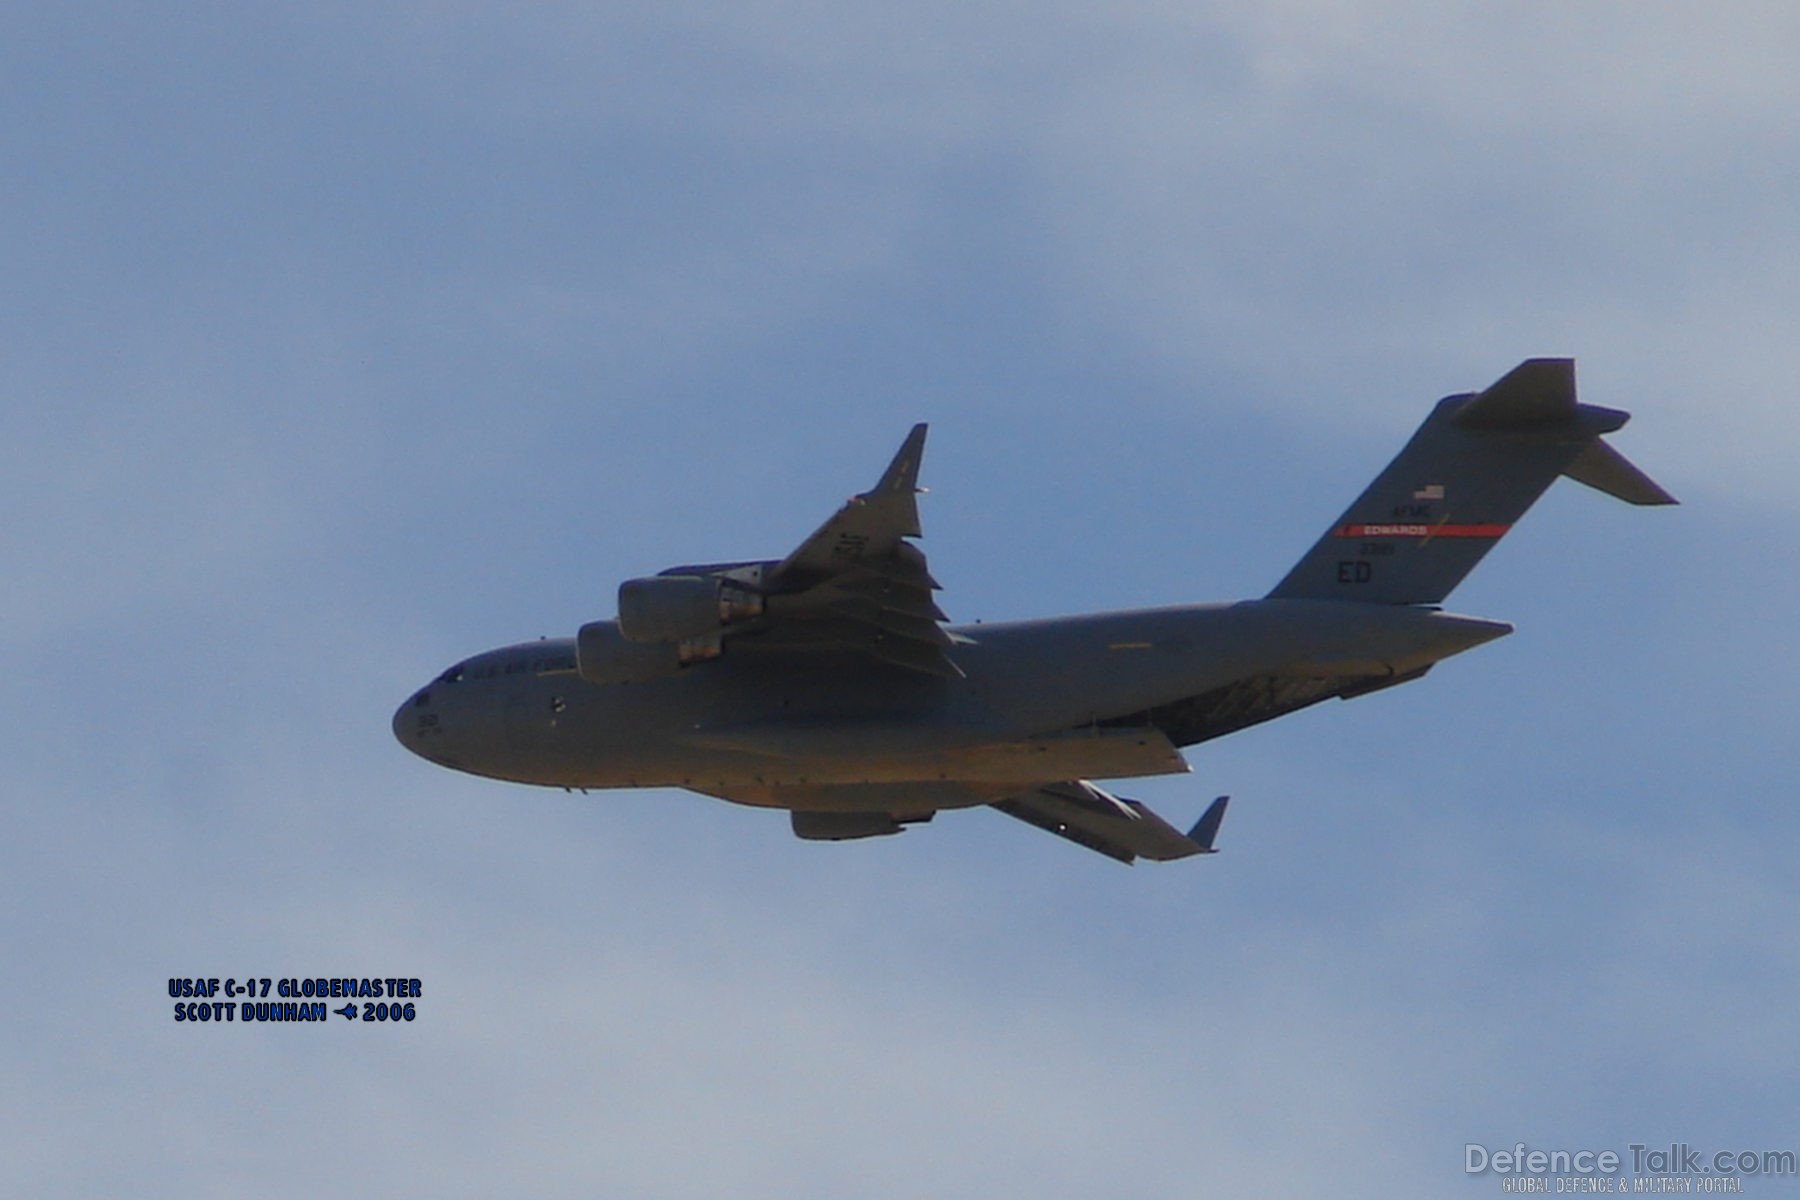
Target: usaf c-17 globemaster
[{"x": 828, "y": 683}]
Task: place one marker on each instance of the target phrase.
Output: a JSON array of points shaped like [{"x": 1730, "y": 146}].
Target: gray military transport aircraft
[{"x": 828, "y": 683}]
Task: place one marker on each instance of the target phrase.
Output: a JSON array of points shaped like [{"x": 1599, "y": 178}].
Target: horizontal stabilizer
[
  {"x": 1539, "y": 391},
  {"x": 1605, "y": 469}
]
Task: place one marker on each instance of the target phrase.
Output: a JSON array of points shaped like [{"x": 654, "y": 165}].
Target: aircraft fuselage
[{"x": 1106, "y": 695}]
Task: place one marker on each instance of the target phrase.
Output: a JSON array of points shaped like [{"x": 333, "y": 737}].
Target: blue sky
[{"x": 339, "y": 344}]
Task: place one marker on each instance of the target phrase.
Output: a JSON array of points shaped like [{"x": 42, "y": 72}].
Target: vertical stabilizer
[{"x": 1468, "y": 474}]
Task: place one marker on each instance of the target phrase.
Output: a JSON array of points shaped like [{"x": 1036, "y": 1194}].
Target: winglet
[
  {"x": 857, "y": 584},
  {"x": 1207, "y": 827},
  {"x": 902, "y": 475}
]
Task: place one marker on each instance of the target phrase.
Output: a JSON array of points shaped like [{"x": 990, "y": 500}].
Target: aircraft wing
[
  {"x": 1077, "y": 810},
  {"x": 858, "y": 584},
  {"x": 1116, "y": 827}
]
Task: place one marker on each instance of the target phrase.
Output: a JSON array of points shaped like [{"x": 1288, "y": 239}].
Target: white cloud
[{"x": 1370, "y": 194}]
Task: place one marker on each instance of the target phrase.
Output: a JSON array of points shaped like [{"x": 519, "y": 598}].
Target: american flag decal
[{"x": 1431, "y": 491}]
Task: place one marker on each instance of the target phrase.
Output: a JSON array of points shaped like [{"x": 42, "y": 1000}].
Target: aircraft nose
[{"x": 410, "y": 720}]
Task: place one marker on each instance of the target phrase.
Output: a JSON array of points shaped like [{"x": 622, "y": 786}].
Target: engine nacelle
[
  {"x": 682, "y": 608},
  {"x": 604, "y": 655}
]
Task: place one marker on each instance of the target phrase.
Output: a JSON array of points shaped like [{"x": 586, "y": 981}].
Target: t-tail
[{"x": 1473, "y": 468}]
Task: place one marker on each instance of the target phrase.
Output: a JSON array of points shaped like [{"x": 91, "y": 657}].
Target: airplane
[{"x": 830, "y": 683}]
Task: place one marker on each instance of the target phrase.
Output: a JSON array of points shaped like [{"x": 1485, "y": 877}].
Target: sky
[{"x": 339, "y": 342}]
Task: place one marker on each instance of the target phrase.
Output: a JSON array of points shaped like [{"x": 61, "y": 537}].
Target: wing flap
[
  {"x": 891, "y": 621},
  {"x": 889, "y": 595}
]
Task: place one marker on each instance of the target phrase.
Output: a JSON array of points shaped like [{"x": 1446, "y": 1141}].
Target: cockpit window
[{"x": 453, "y": 674}]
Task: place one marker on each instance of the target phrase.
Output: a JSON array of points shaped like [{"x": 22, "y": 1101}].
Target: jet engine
[{"x": 683, "y": 608}]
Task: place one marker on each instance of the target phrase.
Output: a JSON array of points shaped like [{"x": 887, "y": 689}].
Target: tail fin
[{"x": 1472, "y": 469}]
